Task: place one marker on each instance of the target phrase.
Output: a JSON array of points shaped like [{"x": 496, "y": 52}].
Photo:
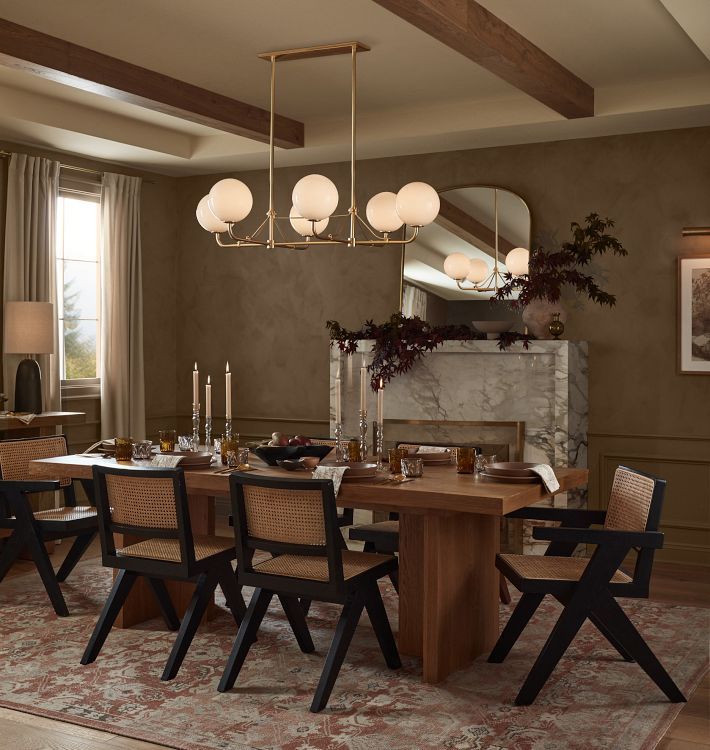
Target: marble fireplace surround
[{"x": 544, "y": 386}]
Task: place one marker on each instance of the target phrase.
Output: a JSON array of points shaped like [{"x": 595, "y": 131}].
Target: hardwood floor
[{"x": 676, "y": 584}]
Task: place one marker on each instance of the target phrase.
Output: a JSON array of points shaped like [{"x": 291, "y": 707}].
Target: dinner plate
[
  {"x": 358, "y": 477},
  {"x": 512, "y": 468},
  {"x": 511, "y": 479},
  {"x": 432, "y": 458},
  {"x": 191, "y": 458}
]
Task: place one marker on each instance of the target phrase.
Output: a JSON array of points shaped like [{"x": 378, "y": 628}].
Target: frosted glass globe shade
[
  {"x": 230, "y": 200},
  {"x": 478, "y": 271},
  {"x": 206, "y": 219},
  {"x": 517, "y": 261},
  {"x": 457, "y": 266},
  {"x": 382, "y": 213},
  {"x": 303, "y": 226},
  {"x": 417, "y": 204},
  {"x": 315, "y": 197}
]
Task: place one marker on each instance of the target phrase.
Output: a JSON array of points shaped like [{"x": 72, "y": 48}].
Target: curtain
[
  {"x": 30, "y": 270},
  {"x": 413, "y": 302},
  {"x": 122, "y": 385}
]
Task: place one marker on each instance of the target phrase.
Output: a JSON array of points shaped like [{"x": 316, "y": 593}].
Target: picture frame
[{"x": 694, "y": 315}]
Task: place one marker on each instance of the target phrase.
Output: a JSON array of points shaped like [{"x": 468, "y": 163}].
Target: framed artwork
[{"x": 694, "y": 314}]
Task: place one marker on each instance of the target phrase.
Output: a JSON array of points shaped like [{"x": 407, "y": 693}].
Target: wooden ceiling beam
[
  {"x": 476, "y": 33},
  {"x": 471, "y": 230},
  {"x": 47, "y": 56}
]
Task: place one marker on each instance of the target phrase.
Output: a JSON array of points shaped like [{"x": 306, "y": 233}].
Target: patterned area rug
[{"x": 592, "y": 700}]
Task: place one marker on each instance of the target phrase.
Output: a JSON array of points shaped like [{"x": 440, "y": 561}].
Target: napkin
[
  {"x": 432, "y": 449},
  {"x": 25, "y": 418},
  {"x": 548, "y": 477},
  {"x": 169, "y": 462},
  {"x": 335, "y": 473}
]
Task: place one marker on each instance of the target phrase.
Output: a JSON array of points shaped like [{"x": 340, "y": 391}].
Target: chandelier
[
  {"x": 473, "y": 274},
  {"x": 315, "y": 197}
]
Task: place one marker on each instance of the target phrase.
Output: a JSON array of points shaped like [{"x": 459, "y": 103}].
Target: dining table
[{"x": 449, "y": 537}]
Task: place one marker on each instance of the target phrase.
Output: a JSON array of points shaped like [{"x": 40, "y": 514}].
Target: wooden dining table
[{"x": 449, "y": 536}]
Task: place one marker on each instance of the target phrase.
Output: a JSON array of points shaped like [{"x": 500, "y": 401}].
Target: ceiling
[{"x": 646, "y": 59}]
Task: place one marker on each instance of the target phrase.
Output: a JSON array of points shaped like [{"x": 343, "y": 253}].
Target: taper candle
[
  {"x": 338, "y": 399},
  {"x": 208, "y": 398},
  {"x": 228, "y": 384},
  {"x": 381, "y": 403},
  {"x": 195, "y": 385},
  {"x": 363, "y": 385}
]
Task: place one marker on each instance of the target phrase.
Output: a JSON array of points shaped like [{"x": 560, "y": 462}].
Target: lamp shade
[
  {"x": 457, "y": 266},
  {"x": 29, "y": 328},
  {"x": 206, "y": 219},
  {"x": 230, "y": 200},
  {"x": 417, "y": 204},
  {"x": 517, "y": 261},
  {"x": 478, "y": 271},
  {"x": 315, "y": 197},
  {"x": 382, "y": 213}
]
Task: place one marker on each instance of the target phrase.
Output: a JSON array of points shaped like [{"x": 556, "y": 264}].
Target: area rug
[{"x": 592, "y": 700}]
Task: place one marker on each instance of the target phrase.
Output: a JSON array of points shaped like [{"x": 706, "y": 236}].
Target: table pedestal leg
[
  {"x": 141, "y": 604},
  {"x": 448, "y": 590}
]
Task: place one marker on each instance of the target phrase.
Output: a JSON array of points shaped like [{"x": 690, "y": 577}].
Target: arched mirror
[{"x": 483, "y": 223}]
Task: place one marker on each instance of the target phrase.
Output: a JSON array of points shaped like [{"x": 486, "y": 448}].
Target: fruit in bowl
[
  {"x": 273, "y": 453},
  {"x": 279, "y": 439}
]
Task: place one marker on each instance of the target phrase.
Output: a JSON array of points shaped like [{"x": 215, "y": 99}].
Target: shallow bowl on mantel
[{"x": 492, "y": 327}]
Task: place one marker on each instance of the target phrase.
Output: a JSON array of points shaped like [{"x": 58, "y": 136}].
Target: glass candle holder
[
  {"x": 412, "y": 467},
  {"x": 395, "y": 456},
  {"x": 483, "y": 462},
  {"x": 124, "y": 449},
  {"x": 465, "y": 460},
  {"x": 229, "y": 445},
  {"x": 243, "y": 456},
  {"x": 231, "y": 457},
  {"x": 142, "y": 450},
  {"x": 167, "y": 440},
  {"x": 185, "y": 442}
]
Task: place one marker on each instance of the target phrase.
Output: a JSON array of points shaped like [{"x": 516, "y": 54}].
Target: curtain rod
[{"x": 7, "y": 154}]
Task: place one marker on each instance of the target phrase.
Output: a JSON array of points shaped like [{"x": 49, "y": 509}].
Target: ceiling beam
[
  {"x": 465, "y": 227},
  {"x": 47, "y": 56},
  {"x": 476, "y": 33}
]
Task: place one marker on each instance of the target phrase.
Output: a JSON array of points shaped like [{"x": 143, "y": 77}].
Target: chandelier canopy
[{"x": 315, "y": 197}]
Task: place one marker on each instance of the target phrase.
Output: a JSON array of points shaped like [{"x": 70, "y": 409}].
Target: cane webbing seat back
[{"x": 15, "y": 456}]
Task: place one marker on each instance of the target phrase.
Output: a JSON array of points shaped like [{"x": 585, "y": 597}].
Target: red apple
[
  {"x": 294, "y": 441},
  {"x": 283, "y": 440},
  {"x": 302, "y": 439}
]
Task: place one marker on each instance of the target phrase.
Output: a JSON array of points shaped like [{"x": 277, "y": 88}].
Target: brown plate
[
  {"x": 512, "y": 468},
  {"x": 432, "y": 458},
  {"x": 359, "y": 477},
  {"x": 512, "y": 479}
]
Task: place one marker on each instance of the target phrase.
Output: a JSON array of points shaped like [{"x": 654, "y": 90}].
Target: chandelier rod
[{"x": 353, "y": 103}]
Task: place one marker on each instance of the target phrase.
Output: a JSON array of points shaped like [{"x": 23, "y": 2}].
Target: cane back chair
[
  {"x": 295, "y": 521},
  {"x": 151, "y": 504},
  {"x": 587, "y": 589},
  {"x": 31, "y": 529}
]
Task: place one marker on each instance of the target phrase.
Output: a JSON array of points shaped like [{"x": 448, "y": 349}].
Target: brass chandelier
[{"x": 315, "y": 197}]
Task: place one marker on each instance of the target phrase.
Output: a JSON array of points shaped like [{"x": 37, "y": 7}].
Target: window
[{"x": 78, "y": 284}]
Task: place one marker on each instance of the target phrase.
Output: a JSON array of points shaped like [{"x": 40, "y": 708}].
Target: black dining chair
[
  {"x": 30, "y": 529},
  {"x": 296, "y": 522},
  {"x": 588, "y": 588},
  {"x": 152, "y": 504}
]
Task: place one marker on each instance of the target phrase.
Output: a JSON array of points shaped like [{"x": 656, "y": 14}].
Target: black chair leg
[
  {"x": 167, "y": 610},
  {"x": 120, "y": 590},
  {"x": 394, "y": 577},
  {"x": 614, "y": 617},
  {"x": 204, "y": 591},
  {"x": 338, "y": 648},
  {"x": 517, "y": 621},
  {"x": 566, "y": 628},
  {"x": 46, "y": 572},
  {"x": 245, "y": 637},
  {"x": 232, "y": 593},
  {"x": 74, "y": 555},
  {"x": 297, "y": 619},
  {"x": 381, "y": 625},
  {"x": 305, "y": 606},
  {"x": 10, "y": 552}
]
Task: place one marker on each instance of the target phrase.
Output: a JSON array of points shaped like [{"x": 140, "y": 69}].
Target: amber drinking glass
[
  {"x": 124, "y": 449},
  {"x": 354, "y": 451},
  {"x": 465, "y": 460},
  {"x": 229, "y": 445},
  {"x": 395, "y": 456},
  {"x": 167, "y": 440}
]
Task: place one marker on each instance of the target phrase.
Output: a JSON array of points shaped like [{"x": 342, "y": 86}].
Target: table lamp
[{"x": 29, "y": 330}]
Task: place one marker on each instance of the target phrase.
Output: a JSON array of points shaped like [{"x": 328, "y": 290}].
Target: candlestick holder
[
  {"x": 379, "y": 445},
  {"x": 228, "y": 428},
  {"x": 195, "y": 426},
  {"x": 363, "y": 435},
  {"x": 208, "y": 433},
  {"x": 338, "y": 441}
]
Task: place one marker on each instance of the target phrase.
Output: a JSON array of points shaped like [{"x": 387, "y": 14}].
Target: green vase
[{"x": 556, "y": 327}]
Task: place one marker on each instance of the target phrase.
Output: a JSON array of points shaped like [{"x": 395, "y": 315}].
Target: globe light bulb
[
  {"x": 230, "y": 200},
  {"x": 381, "y": 212},
  {"x": 478, "y": 271},
  {"x": 517, "y": 261},
  {"x": 315, "y": 197},
  {"x": 303, "y": 226},
  {"x": 206, "y": 219},
  {"x": 417, "y": 204},
  {"x": 457, "y": 266}
]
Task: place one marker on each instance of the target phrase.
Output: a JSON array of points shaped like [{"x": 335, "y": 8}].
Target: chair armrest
[
  {"x": 648, "y": 539},
  {"x": 26, "y": 487},
  {"x": 570, "y": 516}
]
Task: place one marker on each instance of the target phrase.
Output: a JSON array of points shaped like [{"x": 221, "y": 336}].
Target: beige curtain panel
[
  {"x": 122, "y": 384},
  {"x": 30, "y": 258}
]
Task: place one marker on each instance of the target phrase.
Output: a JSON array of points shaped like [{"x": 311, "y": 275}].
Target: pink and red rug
[{"x": 592, "y": 700}]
